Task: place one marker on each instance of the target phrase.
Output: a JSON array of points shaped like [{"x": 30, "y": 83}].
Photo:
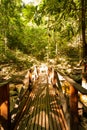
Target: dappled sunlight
[
  {"x": 45, "y": 110},
  {"x": 36, "y": 35},
  {"x": 83, "y": 99},
  {"x": 43, "y": 94},
  {"x": 42, "y": 119},
  {"x": 58, "y": 118},
  {"x": 4, "y": 110},
  {"x": 35, "y": 2}
]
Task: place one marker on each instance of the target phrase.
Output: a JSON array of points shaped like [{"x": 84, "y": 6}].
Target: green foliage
[
  {"x": 18, "y": 27},
  {"x": 17, "y": 58},
  {"x": 61, "y": 19},
  {"x": 71, "y": 52},
  {"x": 28, "y": 13}
]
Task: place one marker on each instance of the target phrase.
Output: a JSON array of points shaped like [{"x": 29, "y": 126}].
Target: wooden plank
[
  {"x": 49, "y": 109},
  {"x": 59, "y": 121},
  {"x": 64, "y": 122},
  {"x": 36, "y": 123},
  {"x": 47, "y": 113},
  {"x": 44, "y": 118},
  {"x": 54, "y": 114},
  {"x": 40, "y": 113},
  {"x": 22, "y": 109},
  {"x": 24, "y": 123},
  {"x": 43, "y": 113}
]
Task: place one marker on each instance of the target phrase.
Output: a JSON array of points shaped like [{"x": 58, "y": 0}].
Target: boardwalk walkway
[{"x": 43, "y": 109}]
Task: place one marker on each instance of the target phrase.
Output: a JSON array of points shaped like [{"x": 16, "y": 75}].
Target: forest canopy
[{"x": 48, "y": 30}]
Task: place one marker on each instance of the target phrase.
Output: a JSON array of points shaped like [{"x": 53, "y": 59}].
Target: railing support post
[
  {"x": 73, "y": 108},
  {"x": 5, "y": 106}
]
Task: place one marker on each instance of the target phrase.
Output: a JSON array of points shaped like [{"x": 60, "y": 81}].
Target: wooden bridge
[
  {"x": 46, "y": 108},
  {"x": 43, "y": 109}
]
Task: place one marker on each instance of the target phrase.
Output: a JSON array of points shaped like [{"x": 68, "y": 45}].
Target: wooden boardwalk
[{"x": 43, "y": 109}]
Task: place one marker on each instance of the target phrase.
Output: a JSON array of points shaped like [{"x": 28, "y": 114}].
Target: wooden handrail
[
  {"x": 73, "y": 100},
  {"x": 73, "y": 83},
  {"x": 5, "y": 82}
]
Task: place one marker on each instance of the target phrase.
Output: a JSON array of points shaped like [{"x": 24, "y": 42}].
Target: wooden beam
[
  {"x": 73, "y": 108},
  {"x": 74, "y": 84}
]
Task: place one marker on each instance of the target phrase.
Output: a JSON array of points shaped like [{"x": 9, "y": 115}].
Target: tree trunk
[
  {"x": 84, "y": 43},
  {"x": 84, "y": 29}
]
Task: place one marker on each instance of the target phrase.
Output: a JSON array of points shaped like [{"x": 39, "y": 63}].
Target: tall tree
[
  {"x": 64, "y": 19},
  {"x": 84, "y": 43},
  {"x": 10, "y": 19}
]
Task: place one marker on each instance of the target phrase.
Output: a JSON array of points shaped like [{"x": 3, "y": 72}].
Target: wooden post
[
  {"x": 73, "y": 108},
  {"x": 4, "y": 107},
  {"x": 84, "y": 75}
]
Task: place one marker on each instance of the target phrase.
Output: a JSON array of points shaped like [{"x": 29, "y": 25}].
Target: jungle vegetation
[{"x": 53, "y": 29}]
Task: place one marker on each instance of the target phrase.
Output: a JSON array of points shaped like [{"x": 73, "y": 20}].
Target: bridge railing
[
  {"x": 74, "y": 88},
  {"x": 4, "y": 105},
  {"x": 5, "y": 113},
  {"x": 73, "y": 101}
]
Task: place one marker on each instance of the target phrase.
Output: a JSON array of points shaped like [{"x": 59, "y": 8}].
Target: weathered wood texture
[
  {"x": 74, "y": 84},
  {"x": 73, "y": 101},
  {"x": 4, "y": 106},
  {"x": 43, "y": 110}
]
